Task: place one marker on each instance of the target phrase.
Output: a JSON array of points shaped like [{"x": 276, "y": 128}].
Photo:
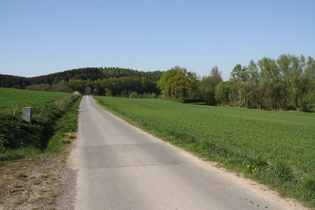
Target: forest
[
  {"x": 285, "y": 83},
  {"x": 97, "y": 81}
]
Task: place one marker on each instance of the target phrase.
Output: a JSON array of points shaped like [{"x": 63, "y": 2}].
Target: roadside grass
[
  {"x": 65, "y": 129},
  {"x": 50, "y": 113},
  {"x": 33, "y": 177},
  {"x": 273, "y": 148}
]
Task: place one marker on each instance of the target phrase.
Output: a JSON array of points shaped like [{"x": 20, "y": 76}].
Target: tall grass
[{"x": 275, "y": 148}]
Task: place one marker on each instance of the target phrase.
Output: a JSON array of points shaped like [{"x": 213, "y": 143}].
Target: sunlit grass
[
  {"x": 13, "y": 100},
  {"x": 54, "y": 116}
]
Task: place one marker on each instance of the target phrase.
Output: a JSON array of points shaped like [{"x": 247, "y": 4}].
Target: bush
[
  {"x": 153, "y": 95},
  {"x": 16, "y": 133},
  {"x": 134, "y": 95}
]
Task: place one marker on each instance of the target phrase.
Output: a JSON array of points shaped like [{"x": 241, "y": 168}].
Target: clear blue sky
[{"x": 40, "y": 37}]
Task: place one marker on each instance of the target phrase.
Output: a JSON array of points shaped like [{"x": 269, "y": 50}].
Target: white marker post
[{"x": 27, "y": 114}]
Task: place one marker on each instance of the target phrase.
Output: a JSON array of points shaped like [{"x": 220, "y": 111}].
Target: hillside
[{"x": 117, "y": 81}]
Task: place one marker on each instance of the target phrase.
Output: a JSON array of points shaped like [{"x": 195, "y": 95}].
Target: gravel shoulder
[{"x": 42, "y": 181}]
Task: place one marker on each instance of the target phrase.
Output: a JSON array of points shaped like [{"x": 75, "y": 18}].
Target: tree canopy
[
  {"x": 282, "y": 84},
  {"x": 178, "y": 84},
  {"x": 100, "y": 81},
  {"x": 286, "y": 83},
  {"x": 208, "y": 84}
]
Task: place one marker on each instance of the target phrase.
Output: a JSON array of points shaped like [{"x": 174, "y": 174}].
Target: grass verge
[
  {"x": 19, "y": 138},
  {"x": 39, "y": 179},
  {"x": 64, "y": 129}
]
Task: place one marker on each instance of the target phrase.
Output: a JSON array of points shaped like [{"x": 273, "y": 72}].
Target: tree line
[
  {"x": 286, "y": 83},
  {"x": 98, "y": 81}
]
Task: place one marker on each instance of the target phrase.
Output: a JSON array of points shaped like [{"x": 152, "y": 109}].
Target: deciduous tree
[
  {"x": 177, "y": 83},
  {"x": 223, "y": 92},
  {"x": 208, "y": 84}
]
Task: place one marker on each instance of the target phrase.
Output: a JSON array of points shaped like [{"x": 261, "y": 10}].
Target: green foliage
[
  {"x": 207, "y": 86},
  {"x": 223, "y": 93},
  {"x": 240, "y": 82},
  {"x": 278, "y": 147},
  {"x": 283, "y": 84},
  {"x": 118, "y": 80},
  {"x": 286, "y": 83},
  {"x": 47, "y": 107},
  {"x": 134, "y": 95},
  {"x": 178, "y": 84},
  {"x": 153, "y": 95},
  {"x": 16, "y": 133},
  {"x": 67, "y": 123},
  {"x": 108, "y": 92}
]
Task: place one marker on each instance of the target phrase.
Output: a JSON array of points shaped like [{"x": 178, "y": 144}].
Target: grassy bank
[
  {"x": 19, "y": 138},
  {"x": 38, "y": 177},
  {"x": 65, "y": 129},
  {"x": 274, "y": 148}
]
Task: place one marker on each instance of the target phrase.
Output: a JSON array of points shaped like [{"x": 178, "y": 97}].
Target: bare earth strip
[{"x": 37, "y": 182}]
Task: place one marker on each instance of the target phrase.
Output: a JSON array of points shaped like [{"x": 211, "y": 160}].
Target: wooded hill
[{"x": 99, "y": 81}]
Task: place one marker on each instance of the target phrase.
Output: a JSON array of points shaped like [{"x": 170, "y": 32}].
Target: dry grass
[{"x": 35, "y": 182}]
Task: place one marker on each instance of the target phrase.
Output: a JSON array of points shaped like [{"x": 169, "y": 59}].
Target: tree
[
  {"x": 240, "y": 81},
  {"x": 153, "y": 95},
  {"x": 134, "y": 94},
  {"x": 284, "y": 63},
  {"x": 61, "y": 86},
  {"x": 303, "y": 84},
  {"x": 256, "y": 91},
  {"x": 87, "y": 91},
  {"x": 108, "y": 92},
  {"x": 208, "y": 84},
  {"x": 165, "y": 83},
  {"x": 282, "y": 84},
  {"x": 222, "y": 92},
  {"x": 271, "y": 81},
  {"x": 178, "y": 84},
  {"x": 77, "y": 85},
  {"x": 95, "y": 91}
]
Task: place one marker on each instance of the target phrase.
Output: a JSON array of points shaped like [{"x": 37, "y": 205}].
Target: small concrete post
[{"x": 27, "y": 114}]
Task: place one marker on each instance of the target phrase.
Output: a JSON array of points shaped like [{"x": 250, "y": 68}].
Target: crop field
[
  {"x": 275, "y": 148},
  {"x": 12, "y": 100}
]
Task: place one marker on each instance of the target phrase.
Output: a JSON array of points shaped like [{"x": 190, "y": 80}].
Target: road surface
[{"x": 121, "y": 167}]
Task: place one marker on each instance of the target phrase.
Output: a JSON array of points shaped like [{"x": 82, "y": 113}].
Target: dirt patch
[{"x": 37, "y": 182}]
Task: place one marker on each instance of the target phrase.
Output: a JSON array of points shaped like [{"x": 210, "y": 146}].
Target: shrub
[{"x": 134, "y": 95}]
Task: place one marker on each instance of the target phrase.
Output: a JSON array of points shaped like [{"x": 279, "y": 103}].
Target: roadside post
[{"x": 27, "y": 114}]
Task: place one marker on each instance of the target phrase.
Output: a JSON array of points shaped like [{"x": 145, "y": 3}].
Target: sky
[{"x": 42, "y": 37}]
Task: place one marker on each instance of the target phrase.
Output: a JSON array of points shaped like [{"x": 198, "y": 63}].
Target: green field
[
  {"x": 14, "y": 100},
  {"x": 18, "y": 136},
  {"x": 275, "y": 148}
]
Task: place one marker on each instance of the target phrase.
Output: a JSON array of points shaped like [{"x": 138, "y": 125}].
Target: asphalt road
[{"x": 121, "y": 167}]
